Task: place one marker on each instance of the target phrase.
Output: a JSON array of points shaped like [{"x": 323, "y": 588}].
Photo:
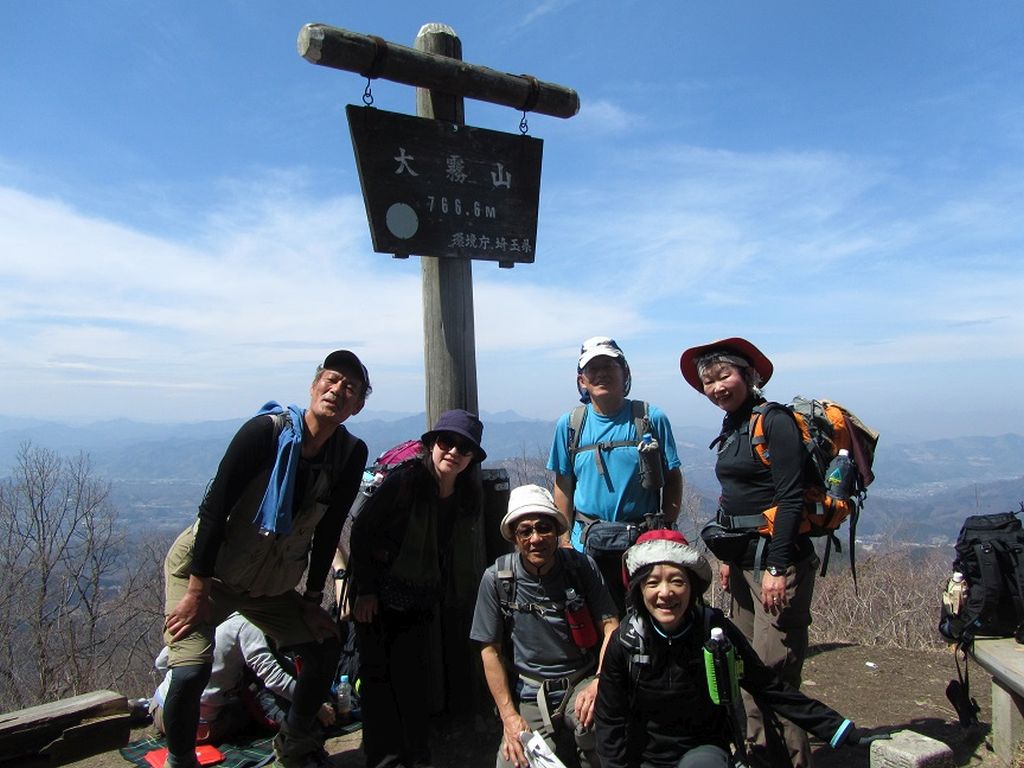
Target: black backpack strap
[
  {"x": 759, "y": 412},
  {"x": 641, "y": 424},
  {"x": 641, "y": 418},
  {"x": 959, "y": 691},
  {"x": 1018, "y": 596},
  {"x": 853, "y": 518},
  {"x": 991, "y": 576},
  {"x": 577, "y": 417},
  {"x": 632, "y": 636},
  {"x": 345, "y": 452},
  {"x": 572, "y": 567},
  {"x": 505, "y": 583}
]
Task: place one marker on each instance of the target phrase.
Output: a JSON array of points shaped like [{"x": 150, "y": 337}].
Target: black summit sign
[{"x": 434, "y": 188}]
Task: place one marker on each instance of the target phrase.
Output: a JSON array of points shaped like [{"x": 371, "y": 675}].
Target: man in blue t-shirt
[{"x": 601, "y": 479}]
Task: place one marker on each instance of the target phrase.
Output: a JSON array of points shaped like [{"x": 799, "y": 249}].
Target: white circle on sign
[{"x": 402, "y": 220}]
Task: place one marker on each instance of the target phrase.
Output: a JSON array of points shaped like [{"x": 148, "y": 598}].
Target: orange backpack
[{"x": 826, "y": 427}]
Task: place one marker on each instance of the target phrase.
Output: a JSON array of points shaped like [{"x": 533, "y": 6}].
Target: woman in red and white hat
[{"x": 654, "y": 708}]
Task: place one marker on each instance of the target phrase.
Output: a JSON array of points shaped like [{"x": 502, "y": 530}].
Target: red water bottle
[{"x": 581, "y": 625}]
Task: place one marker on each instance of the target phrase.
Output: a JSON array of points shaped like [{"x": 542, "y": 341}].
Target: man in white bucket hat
[{"x": 544, "y": 610}]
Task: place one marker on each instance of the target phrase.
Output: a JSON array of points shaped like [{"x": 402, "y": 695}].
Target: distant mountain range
[{"x": 158, "y": 472}]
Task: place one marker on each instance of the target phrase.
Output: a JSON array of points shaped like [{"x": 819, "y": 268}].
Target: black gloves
[{"x": 854, "y": 736}]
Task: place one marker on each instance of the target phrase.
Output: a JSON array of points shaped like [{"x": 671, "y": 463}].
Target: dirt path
[
  {"x": 889, "y": 689},
  {"x": 877, "y": 688}
]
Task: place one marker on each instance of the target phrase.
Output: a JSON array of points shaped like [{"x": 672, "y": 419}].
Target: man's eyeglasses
[
  {"x": 351, "y": 386},
  {"x": 524, "y": 532},
  {"x": 448, "y": 442}
]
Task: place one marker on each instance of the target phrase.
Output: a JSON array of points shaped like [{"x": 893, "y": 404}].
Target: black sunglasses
[
  {"x": 541, "y": 529},
  {"x": 447, "y": 442}
]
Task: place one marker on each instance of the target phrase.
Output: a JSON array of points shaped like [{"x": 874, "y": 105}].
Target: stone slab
[{"x": 909, "y": 749}]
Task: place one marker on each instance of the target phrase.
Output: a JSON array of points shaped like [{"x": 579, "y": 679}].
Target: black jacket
[
  {"x": 654, "y": 713},
  {"x": 749, "y": 487},
  {"x": 405, "y": 518}
]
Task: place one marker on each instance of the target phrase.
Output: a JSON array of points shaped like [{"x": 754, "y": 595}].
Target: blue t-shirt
[{"x": 617, "y": 494}]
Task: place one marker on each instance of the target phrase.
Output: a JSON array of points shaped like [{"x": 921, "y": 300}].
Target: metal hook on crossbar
[
  {"x": 380, "y": 55},
  {"x": 530, "y": 102}
]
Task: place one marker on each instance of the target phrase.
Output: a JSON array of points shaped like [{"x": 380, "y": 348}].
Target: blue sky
[{"x": 182, "y": 234}]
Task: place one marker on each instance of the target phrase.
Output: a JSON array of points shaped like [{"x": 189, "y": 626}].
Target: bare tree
[
  {"x": 528, "y": 467},
  {"x": 68, "y": 588},
  {"x": 894, "y": 604}
]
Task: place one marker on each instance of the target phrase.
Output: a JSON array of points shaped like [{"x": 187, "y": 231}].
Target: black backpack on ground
[
  {"x": 990, "y": 556},
  {"x": 984, "y": 597}
]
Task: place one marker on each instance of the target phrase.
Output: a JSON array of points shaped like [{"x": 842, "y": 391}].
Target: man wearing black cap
[{"x": 274, "y": 508}]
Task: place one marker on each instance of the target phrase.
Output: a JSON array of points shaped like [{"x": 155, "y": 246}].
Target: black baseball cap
[{"x": 344, "y": 361}]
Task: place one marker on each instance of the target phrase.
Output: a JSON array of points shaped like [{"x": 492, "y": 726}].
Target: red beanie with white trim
[{"x": 668, "y": 547}]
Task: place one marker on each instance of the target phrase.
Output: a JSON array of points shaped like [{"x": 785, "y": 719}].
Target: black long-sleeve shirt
[
  {"x": 749, "y": 487},
  {"x": 252, "y": 452}
]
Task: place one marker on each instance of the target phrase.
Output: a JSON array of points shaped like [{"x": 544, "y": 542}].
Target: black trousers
[{"x": 393, "y": 660}]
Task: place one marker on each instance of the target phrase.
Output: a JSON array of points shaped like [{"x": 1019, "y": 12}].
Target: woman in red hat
[
  {"x": 654, "y": 706},
  {"x": 769, "y": 577}
]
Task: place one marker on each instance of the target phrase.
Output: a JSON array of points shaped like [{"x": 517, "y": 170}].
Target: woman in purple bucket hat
[{"x": 407, "y": 541}]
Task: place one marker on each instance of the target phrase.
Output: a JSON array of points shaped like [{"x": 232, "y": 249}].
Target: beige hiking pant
[{"x": 781, "y": 642}]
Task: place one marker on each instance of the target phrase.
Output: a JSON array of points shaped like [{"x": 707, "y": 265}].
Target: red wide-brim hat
[{"x": 734, "y": 345}]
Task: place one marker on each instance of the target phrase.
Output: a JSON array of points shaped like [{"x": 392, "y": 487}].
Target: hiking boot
[
  {"x": 294, "y": 750},
  {"x": 188, "y": 762}
]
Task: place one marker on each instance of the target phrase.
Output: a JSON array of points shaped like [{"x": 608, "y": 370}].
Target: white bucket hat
[{"x": 530, "y": 501}]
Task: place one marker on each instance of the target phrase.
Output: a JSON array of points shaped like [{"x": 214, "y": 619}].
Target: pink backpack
[{"x": 373, "y": 477}]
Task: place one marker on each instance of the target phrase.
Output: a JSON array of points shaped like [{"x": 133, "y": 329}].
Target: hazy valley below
[{"x": 158, "y": 472}]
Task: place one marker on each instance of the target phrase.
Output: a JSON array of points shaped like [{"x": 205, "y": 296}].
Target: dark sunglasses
[
  {"x": 447, "y": 442},
  {"x": 541, "y": 529}
]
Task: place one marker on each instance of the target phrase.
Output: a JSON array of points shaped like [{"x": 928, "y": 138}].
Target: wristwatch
[{"x": 774, "y": 570}]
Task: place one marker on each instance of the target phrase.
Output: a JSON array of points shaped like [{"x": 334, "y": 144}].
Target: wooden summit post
[
  {"x": 442, "y": 80},
  {"x": 449, "y": 338}
]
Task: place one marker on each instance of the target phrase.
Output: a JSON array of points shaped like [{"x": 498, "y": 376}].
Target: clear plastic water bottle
[
  {"x": 344, "y": 706},
  {"x": 839, "y": 476},
  {"x": 956, "y": 593},
  {"x": 651, "y": 473},
  {"x": 721, "y": 668}
]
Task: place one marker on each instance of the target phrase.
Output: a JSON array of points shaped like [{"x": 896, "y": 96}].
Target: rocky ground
[{"x": 883, "y": 689}]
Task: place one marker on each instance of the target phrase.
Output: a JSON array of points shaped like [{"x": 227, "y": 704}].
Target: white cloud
[
  {"x": 544, "y": 8},
  {"x": 601, "y": 117},
  {"x": 820, "y": 257}
]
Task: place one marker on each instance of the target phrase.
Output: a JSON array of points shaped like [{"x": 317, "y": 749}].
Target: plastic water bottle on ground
[{"x": 344, "y": 705}]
